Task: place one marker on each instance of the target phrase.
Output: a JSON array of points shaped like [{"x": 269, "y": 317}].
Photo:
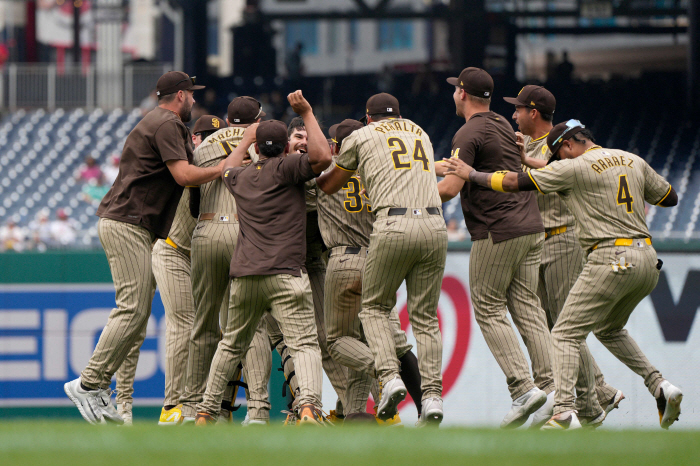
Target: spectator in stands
[
  {"x": 90, "y": 171},
  {"x": 40, "y": 231},
  {"x": 111, "y": 169},
  {"x": 63, "y": 229},
  {"x": 454, "y": 232},
  {"x": 385, "y": 80},
  {"x": 293, "y": 62},
  {"x": 12, "y": 237},
  {"x": 565, "y": 69},
  {"x": 94, "y": 190}
]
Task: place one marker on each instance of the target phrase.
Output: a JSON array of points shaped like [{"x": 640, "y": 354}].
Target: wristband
[{"x": 497, "y": 180}]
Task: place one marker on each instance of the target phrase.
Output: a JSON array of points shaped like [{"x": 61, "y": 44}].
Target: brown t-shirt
[
  {"x": 145, "y": 193},
  {"x": 487, "y": 143},
  {"x": 272, "y": 215}
]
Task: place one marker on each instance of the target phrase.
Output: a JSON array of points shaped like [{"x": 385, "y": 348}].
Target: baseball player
[
  {"x": 605, "y": 190},
  {"x": 213, "y": 244},
  {"x": 171, "y": 268},
  {"x": 562, "y": 256},
  {"x": 316, "y": 268},
  {"x": 139, "y": 208},
  {"x": 267, "y": 268},
  {"x": 504, "y": 261},
  {"x": 394, "y": 158},
  {"x": 345, "y": 221}
]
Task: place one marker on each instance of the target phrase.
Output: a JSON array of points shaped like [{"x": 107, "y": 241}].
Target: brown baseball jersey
[
  {"x": 384, "y": 154},
  {"x": 605, "y": 189},
  {"x": 552, "y": 208},
  {"x": 145, "y": 193}
]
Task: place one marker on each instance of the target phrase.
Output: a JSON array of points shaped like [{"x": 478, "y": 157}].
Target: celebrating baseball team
[{"x": 269, "y": 236}]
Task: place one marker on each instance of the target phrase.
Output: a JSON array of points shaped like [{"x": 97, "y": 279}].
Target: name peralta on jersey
[{"x": 394, "y": 159}]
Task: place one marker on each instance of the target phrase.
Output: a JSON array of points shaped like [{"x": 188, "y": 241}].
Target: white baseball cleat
[
  {"x": 431, "y": 412},
  {"x": 619, "y": 396},
  {"x": 124, "y": 411},
  {"x": 544, "y": 413},
  {"x": 563, "y": 421},
  {"x": 85, "y": 401},
  {"x": 94, "y": 405},
  {"x": 522, "y": 407},
  {"x": 392, "y": 393},
  {"x": 668, "y": 401}
]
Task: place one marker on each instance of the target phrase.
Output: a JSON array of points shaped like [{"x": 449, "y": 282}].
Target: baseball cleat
[
  {"x": 310, "y": 415},
  {"x": 335, "y": 418},
  {"x": 392, "y": 422},
  {"x": 593, "y": 423},
  {"x": 187, "y": 421},
  {"x": 124, "y": 411},
  {"x": 544, "y": 413},
  {"x": 225, "y": 417},
  {"x": 430, "y": 412},
  {"x": 391, "y": 394},
  {"x": 171, "y": 417},
  {"x": 253, "y": 422},
  {"x": 204, "y": 419},
  {"x": 668, "y": 402},
  {"x": 94, "y": 405},
  {"x": 291, "y": 419},
  {"x": 614, "y": 402},
  {"x": 563, "y": 421},
  {"x": 522, "y": 407}
]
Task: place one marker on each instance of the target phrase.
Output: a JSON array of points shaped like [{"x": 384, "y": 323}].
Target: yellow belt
[
  {"x": 625, "y": 242},
  {"x": 170, "y": 242},
  {"x": 554, "y": 231}
]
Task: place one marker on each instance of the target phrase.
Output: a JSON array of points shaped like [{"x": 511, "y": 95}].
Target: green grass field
[{"x": 76, "y": 444}]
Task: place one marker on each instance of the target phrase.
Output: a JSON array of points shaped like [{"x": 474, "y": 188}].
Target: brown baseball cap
[
  {"x": 174, "y": 81},
  {"x": 341, "y": 130},
  {"x": 244, "y": 110},
  {"x": 561, "y": 133},
  {"x": 536, "y": 97},
  {"x": 474, "y": 81},
  {"x": 271, "y": 132},
  {"x": 383, "y": 103},
  {"x": 208, "y": 123}
]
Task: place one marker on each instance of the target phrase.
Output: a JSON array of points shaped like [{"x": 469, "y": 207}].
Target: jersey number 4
[
  {"x": 399, "y": 146},
  {"x": 623, "y": 194},
  {"x": 355, "y": 203}
]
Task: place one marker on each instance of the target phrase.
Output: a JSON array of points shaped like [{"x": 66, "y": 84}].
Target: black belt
[
  {"x": 352, "y": 250},
  {"x": 403, "y": 210}
]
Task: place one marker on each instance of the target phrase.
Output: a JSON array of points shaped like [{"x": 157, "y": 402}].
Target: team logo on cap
[
  {"x": 487, "y": 93},
  {"x": 236, "y": 120},
  {"x": 389, "y": 109},
  {"x": 532, "y": 102},
  {"x": 269, "y": 143},
  {"x": 215, "y": 122}
]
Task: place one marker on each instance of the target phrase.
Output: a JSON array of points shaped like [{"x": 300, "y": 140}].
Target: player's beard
[{"x": 186, "y": 113}]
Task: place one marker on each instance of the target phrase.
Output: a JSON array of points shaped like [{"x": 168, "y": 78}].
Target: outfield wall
[{"x": 53, "y": 307}]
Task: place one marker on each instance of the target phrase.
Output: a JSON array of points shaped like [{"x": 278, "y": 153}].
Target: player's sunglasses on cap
[
  {"x": 174, "y": 81},
  {"x": 561, "y": 133}
]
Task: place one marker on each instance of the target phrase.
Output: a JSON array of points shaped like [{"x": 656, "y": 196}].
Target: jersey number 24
[{"x": 400, "y": 150}]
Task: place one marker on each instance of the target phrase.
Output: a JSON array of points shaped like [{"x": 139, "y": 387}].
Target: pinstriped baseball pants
[
  {"x": 411, "y": 247},
  {"x": 289, "y": 299},
  {"x": 601, "y": 302},
  {"x": 346, "y": 340},
  {"x": 503, "y": 277},
  {"x": 562, "y": 262},
  {"x": 128, "y": 250}
]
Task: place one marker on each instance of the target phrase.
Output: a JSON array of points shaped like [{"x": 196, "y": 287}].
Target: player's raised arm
[{"x": 318, "y": 149}]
